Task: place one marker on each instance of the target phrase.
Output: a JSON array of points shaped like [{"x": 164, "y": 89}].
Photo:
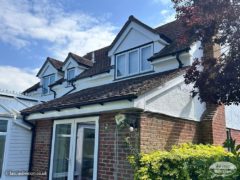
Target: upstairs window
[
  {"x": 70, "y": 74},
  {"x": 134, "y": 62},
  {"x": 47, "y": 80}
]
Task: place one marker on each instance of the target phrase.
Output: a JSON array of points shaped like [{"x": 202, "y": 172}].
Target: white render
[
  {"x": 232, "y": 114},
  {"x": 19, "y": 133}
]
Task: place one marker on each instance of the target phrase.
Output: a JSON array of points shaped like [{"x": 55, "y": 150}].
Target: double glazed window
[
  {"x": 3, "y": 133},
  {"x": 70, "y": 74},
  {"x": 134, "y": 61},
  {"x": 47, "y": 80}
]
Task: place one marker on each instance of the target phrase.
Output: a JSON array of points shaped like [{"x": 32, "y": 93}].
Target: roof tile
[{"x": 130, "y": 88}]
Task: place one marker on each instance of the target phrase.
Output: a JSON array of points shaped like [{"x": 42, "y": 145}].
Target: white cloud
[
  {"x": 162, "y": 1},
  {"x": 15, "y": 79},
  {"x": 24, "y": 21},
  {"x": 167, "y": 16}
]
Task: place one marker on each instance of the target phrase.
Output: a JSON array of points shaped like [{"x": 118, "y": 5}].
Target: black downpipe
[
  {"x": 74, "y": 87},
  {"x": 179, "y": 60},
  {"x": 32, "y": 144},
  {"x": 54, "y": 92}
]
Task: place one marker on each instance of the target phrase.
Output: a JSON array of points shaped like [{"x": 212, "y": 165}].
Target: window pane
[
  {"x": 45, "y": 85},
  {"x": 70, "y": 74},
  {"x": 146, "y": 54},
  {"x": 63, "y": 129},
  {"x": 121, "y": 65},
  {"x": 133, "y": 62},
  {"x": 52, "y": 79},
  {"x": 2, "y": 147},
  {"x": 84, "y": 157},
  {"x": 61, "y": 151},
  {"x": 3, "y": 126}
]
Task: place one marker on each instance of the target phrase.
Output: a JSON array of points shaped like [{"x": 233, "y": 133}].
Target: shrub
[{"x": 183, "y": 162}]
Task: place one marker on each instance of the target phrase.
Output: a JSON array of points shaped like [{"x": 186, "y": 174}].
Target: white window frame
[
  {"x": 72, "y": 148},
  {"x": 71, "y": 69},
  {"x": 68, "y": 80},
  {"x": 140, "y": 58},
  {"x": 127, "y": 60},
  {"x": 48, "y": 89}
]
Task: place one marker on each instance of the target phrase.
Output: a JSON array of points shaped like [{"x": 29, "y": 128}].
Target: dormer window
[
  {"x": 134, "y": 61},
  {"x": 47, "y": 80},
  {"x": 70, "y": 74}
]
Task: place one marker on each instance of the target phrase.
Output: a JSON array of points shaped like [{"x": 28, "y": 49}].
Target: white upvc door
[{"x": 74, "y": 151}]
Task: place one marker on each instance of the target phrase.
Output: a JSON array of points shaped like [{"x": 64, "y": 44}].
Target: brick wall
[
  {"x": 106, "y": 162},
  {"x": 41, "y": 148},
  {"x": 161, "y": 132},
  {"x": 213, "y": 125},
  {"x": 156, "y": 132},
  {"x": 235, "y": 134}
]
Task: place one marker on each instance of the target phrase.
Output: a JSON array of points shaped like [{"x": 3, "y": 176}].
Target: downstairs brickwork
[
  {"x": 213, "y": 126},
  {"x": 108, "y": 164},
  {"x": 161, "y": 132},
  {"x": 41, "y": 148},
  {"x": 235, "y": 134}
]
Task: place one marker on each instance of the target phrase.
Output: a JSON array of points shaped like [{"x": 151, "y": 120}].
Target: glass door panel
[
  {"x": 84, "y": 152},
  {"x": 61, "y": 151}
]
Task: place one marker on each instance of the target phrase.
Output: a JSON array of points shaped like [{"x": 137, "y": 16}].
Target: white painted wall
[
  {"x": 172, "y": 99},
  {"x": 232, "y": 115},
  {"x": 71, "y": 63},
  {"x": 48, "y": 70},
  {"x": 136, "y": 35}
]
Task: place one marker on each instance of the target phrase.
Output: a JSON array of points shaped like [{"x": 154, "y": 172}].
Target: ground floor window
[
  {"x": 3, "y": 133},
  {"x": 74, "y": 151}
]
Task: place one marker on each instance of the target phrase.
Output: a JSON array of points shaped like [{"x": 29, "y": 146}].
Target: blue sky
[{"x": 31, "y": 30}]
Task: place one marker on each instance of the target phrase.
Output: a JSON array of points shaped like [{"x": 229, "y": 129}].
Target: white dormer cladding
[
  {"x": 71, "y": 68},
  {"x": 136, "y": 44},
  {"x": 48, "y": 75}
]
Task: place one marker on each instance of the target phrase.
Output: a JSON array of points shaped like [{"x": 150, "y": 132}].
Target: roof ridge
[
  {"x": 53, "y": 59},
  {"x": 78, "y": 56}
]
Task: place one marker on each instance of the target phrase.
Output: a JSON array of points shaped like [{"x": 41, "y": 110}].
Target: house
[
  {"x": 15, "y": 135},
  {"x": 137, "y": 79}
]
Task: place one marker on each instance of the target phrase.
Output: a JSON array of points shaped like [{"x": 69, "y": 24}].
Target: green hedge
[{"x": 183, "y": 162}]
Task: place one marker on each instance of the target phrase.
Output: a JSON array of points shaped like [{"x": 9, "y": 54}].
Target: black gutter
[
  {"x": 74, "y": 87},
  {"x": 156, "y": 56},
  {"x": 179, "y": 60},
  {"x": 77, "y": 105}
]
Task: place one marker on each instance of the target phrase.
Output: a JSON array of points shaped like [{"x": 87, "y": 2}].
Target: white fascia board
[
  {"x": 140, "y": 102},
  {"x": 68, "y": 63},
  {"x": 145, "y": 32},
  {"x": 84, "y": 110},
  {"x": 22, "y": 125},
  {"x": 45, "y": 68},
  {"x": 171, "y": 57}
]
